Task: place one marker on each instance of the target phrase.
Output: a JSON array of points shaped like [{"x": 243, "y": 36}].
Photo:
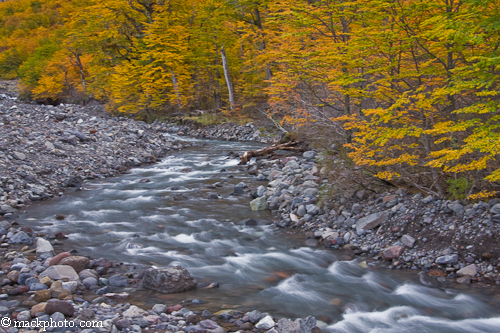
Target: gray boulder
[
  {"x": 372, "y": 221},
  {"x": 168, "y": 280},
  {"x": 298, "y": 326},
  {"x": 259, "y": 204},
  {"x": 21, "y": 238}
]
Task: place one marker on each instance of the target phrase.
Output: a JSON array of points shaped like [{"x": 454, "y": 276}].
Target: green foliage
[{"x": 458, "y": 188}]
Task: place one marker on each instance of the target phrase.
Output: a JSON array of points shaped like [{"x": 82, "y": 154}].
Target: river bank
[{"x": 450, "y": 240}]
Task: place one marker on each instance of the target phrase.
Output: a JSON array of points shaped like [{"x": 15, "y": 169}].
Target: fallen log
[{"x": 267, "y": 150}]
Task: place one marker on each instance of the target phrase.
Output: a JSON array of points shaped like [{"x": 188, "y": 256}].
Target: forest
[{"x": 409, "y": 88}]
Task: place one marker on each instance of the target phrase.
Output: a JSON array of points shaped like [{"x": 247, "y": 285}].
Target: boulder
[
  {"x": 448, "y": 259},
  {"x": 57, "y": 258},
  {"x": 408, "y": 241},
  {"x": 470, "y": 270},
  {"x": 259, "y": 204},
  {"x": 43, "y": 246},
  {"x": 38, "y": 308},
  {"x": 300, "y": 325},
  {"x": 21, "y": 238},
  {"x": 42, "y": 296},
  {"x": 60, "y": 272},
  {"x": 372, "y": 221},
  {"x": 168, "y": 280},
  {"x": 134, "y": 311},
  {"x": 63, "y": 307},
  {"x": 58, "y": 291},
  {"x": 79, "y": 263},
  {"x": 265, "y": 323},
  {"x": 393, "y": 252}
]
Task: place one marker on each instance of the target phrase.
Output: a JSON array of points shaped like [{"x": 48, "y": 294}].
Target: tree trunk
[
  {"x": 267, "y": 150},
  {"x": 176, "y": 89},
  {"x": 230, "y": 88}
]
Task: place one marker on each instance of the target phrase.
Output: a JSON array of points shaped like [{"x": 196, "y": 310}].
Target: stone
[
  {"x": 428, "y": 199},
  {"x": 470, "y": 270},
  {"x": 259, "y": 204},
  {"x": 23, "y": 316},
  {"x": 79, "y": 263},
  {"x": 309, "y": 154},
  {"x": 42, "y": 296},
  {"x": 159, "y": 308},
  {"x": 58, "y": 291},
  {"x": 38, "y": 308},
  {"x": 46, "y": 281},
  {"x": 300, "y": 325},
  {"x": 301, "y": 211},
  {"x": 13, "y": 276},
  {"x": 19, "y": 156},
  {"x": 408, "y": 241},
  {"x": 495, "y": 209},
  {"x": 118, "y": 280},
  {"x": 168, "y": 280},
  {"x": 70, "y": 286},
  {"x": 89, "y": 282},
  {"x": 43, "y": 246},
  {"x": 254, "y": 316},
  {"x": 63, "y": 307},
  {"x": 208, "y": 324},
  {"x": 464, "y": 279},
  {"x": 393, "y": 252},
  {"x": 457, "y": 209},
  {"x": 372, "y": 221},
  {"x": 38, "y": 287},
  {"x": 134, "y": 311},
  {"x": 265, "y": 323},
  {"x": 122, "y": 324},
  {"x": 447, "y": 259},
  {"x": 60, "y": 272},
  {"x": 57, "y": 258},
  {"x": 20, "y": 238}
]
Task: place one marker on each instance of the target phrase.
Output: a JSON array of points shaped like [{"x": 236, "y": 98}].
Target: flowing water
[{"x": 258, "y": 266}]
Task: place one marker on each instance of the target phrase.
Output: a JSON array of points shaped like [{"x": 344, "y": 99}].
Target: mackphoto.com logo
[{"x": 44, "y": 324}]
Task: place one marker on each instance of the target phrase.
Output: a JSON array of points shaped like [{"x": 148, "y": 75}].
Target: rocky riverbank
[
  {"x": 44, "y": 149},
  {"x": 64, "y": 292},
  {"x": 450, "y": 240},
  {"x": 226, "y": 132}
]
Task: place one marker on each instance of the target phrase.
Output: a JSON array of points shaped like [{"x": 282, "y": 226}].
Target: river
[{"x": 257, "y": 266}]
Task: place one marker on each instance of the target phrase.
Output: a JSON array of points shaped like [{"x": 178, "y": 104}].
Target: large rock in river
[
  {"x": 168, "y": 280},
  {"x": 259, "y": 204}
]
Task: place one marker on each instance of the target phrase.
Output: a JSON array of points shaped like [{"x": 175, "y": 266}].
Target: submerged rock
[{"x": 168, "y": 280}]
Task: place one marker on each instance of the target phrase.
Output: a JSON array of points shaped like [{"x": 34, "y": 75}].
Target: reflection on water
[{"x": 126, "y": 219}]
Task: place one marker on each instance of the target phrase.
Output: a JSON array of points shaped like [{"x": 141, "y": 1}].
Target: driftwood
[{"x": 267, "y": 150}]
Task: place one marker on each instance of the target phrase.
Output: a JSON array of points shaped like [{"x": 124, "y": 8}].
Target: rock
[
  {"x": 118, "y": 280},
  {"x": 19, "y": 156},
  {"x": 42, "y": 296},
  {"x": 168, "y": 280},
  {"x": 309, "y": 154},
  {"x": 63, "y": 307},
  {"x": 122, "y": 324},
  {"x": 393, "y": 252},
  {"x": 259, "y": 204},
  {"x": 428, "y": 199},
  {"x": 312, "y": 242},
  {"x": 495, "y": 209},
  {"x": 58, "y": 291},
  {"x": 301, "y": 211},
  {"x": 21, "y": 238},
  {"x": 213, "y": 196},
  {"x": 79, "y": 263},
  {"x": 134, "y": 311},
  {"x": 70, "y": 286},
  {"x": 408, "y": 241},
  {"x": 448, "y": 259},
  {"x": 254, "y": 316},
  {"x": 38, "y": 308},
  {"x": 298, "y": 326},
  {"x": 43, "y": 246},
  {"x": 13, "y": 276},
  {"x": 46, "y": 281},
  {"x": 89, "y": 282},
  {"x": 159, "y": 308},
  {"x": 470, "y": 270},
  {"x": 60, "y": 272},
  {"x": 464, "y": 279},
  {"x": 265, "y": 323},
  {"x": 59, "y": 257},
  {"x": 372, "y": 221},
  {"x": 38, "y": 286},
  {"x": 457, "y": 209}
]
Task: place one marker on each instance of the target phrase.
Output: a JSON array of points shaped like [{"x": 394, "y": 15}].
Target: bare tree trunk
[
  {"x": 176, "y": 89},
  {"x": 229, "y": 82},
  {"x": 82, "y": 72},
  {"x": 267, "y": 150}
]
